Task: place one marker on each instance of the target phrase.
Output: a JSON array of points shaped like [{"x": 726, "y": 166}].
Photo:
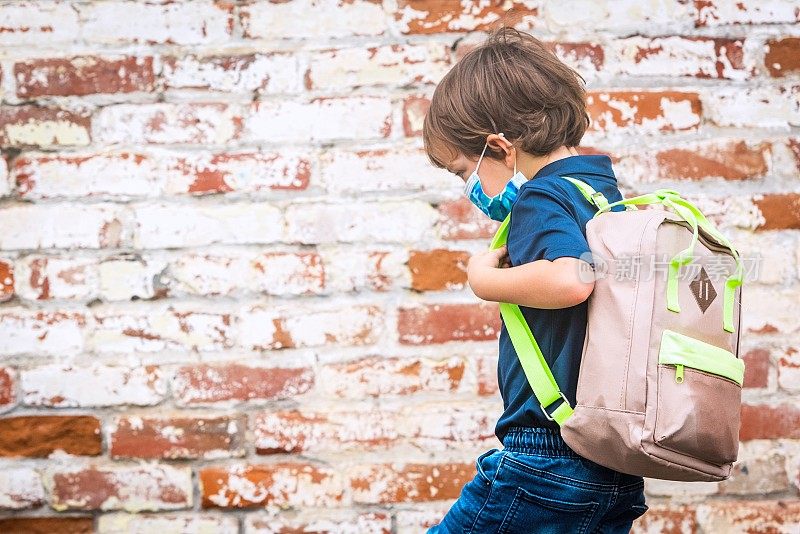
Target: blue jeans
[{"x": 537, "y": 484}]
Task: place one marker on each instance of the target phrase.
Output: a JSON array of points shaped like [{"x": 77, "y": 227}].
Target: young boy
[{"x": 507, "y": 119}]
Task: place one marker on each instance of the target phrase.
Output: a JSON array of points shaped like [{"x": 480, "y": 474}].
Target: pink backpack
[{"x": 660, "y": 381}]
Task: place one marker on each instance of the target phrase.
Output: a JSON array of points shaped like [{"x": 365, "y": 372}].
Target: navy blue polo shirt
[{"x": 548, "y": 221}]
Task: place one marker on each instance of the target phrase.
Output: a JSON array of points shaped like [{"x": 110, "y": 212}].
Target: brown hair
[{"x": 510, "y": 83}]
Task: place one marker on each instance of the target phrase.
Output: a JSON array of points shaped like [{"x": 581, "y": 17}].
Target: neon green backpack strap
[
  {"x": 596, "y": 198},
  {"x": 534, "y": 365}
]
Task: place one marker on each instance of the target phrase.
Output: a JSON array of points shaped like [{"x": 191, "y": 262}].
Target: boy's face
[{"x": 494, "y": 174}]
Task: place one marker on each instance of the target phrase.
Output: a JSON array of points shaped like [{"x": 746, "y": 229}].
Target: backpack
[{"x": 660, "y": 380}]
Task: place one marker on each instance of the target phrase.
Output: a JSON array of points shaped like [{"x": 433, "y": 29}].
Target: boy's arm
[
  {"x": 538, "y": 284},
  {"x": 548, "y": 247}
]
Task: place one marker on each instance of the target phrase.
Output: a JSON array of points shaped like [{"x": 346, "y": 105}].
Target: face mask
[{"x": 499, "y": 206}]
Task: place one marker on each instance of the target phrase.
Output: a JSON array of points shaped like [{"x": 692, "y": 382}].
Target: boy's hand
[
  {"x": 481, "y": 266},
  {"x": 491, "y": 259}
]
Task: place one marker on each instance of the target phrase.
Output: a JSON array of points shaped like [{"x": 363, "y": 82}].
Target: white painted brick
[
  {"x": 45, "y": 277},
  {"x": 674, "y": 56},
  {"x": 20, "y": 487},
  {"x": 158, "y": 328},
  {"x": 321, "y": 520},
  {"x": 25, "y": 331},
  {"x": 617, "y": 15},
  {"x": 761, "y": 107},
  {"x": 115, "y": 174},
  {"x": 393, "y": 65},
  {"x": 196, "y": 123},
  {"x": 168, "y": 523},
  {"x": 765, "y": 307},
  {"x": 183, "y": 225},
  {"x": 126, "y": 278},
  {"x": 355, "y": 269},
  {"x": 322, "y": 119},
  {"x": 372, "y": 222},
  {"x": 398, "y": 169},
  {"x": 312, "y": 19},
  {"x": 62, "y": 226},
  {"x": 275, "y": 327},
  {"x": 6, "y": 185},
  {"x": 182, "y": 23},
  {"x": 93, "y": 386},
  {"x": 239, "y": 171},
  {"x": 123, "y": 174},
  {"x": 263, "y": 73},
  {"x": 721, "y": 12},
  {"x": 789, "y": 370},
  {"x": 37, "y": 23}
]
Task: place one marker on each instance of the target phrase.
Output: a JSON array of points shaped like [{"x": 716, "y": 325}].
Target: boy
[{"x": 506, "y": 119}]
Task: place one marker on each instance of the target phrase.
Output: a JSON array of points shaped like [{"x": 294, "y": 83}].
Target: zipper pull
[{"x": 679, "y": 373}]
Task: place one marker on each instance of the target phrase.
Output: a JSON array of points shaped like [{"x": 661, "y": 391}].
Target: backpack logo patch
[{"x": 704, "y": 293}]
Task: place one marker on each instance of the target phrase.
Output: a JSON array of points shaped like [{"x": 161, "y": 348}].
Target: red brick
[
  {"x": 579, "y": 53},
  {"x": 83, "y": 75},
  {"x": 47, "y": 525},
  {"x": 781, "y": 211},
  {"x": 39, "y": 435},
  {"x": 460, "y": 219},
  {"x": 794, "y": 146},
  {"x": 730, "y": 161},
  {"x": 411, "y": 482},
  {"x": 128, "y": 487},
  {"x": 777, "y": 516},
  {"x": 7, "y": 395},
  {"x": 439, "y": 269},
  {"x": 6, "y": 280},
  {"x": 654, "y": 111},
  {"x": 177, "y": 437},
  {"x": 278, "y": 484},
  {"x": 376, "y": 376},
  {"x": 200, "y": 384},
  {"x": 783, "y": 56},
  {"x": 766, "y": 421},
  {"x": 30, "y": 125},
  {"x": 440, "y": 323},
  {"x": 667, "y": 519},
  {"x": 756, "y": 368}
]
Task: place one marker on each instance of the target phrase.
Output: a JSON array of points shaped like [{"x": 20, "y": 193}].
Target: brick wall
[{"x": 233, "y": 290}]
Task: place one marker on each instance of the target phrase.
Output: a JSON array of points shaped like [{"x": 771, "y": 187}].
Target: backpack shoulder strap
[
  {"x": 538, "y": 373},
  {"x": 596, "y": 198}
]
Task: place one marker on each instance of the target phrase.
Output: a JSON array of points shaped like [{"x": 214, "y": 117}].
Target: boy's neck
[{"x": 530, "y": 165}]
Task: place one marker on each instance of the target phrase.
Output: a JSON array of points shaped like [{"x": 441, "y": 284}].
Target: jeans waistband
[{"x": 537, "y": 440}]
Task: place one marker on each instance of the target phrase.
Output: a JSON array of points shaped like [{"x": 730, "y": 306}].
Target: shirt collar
[{"x": 598, "y": 164}]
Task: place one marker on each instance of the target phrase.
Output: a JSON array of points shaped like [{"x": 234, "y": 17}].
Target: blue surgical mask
[{"x": 499, "y": 206}]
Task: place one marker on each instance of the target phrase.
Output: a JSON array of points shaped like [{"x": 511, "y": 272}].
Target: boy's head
[{"x": 510, "y": 84}]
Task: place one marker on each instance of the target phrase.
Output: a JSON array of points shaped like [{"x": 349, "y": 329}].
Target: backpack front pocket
[{"x": 699, "y": 398}]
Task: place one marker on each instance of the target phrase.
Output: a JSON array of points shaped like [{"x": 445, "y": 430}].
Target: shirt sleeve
[{"x": 543, "y": 227}]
